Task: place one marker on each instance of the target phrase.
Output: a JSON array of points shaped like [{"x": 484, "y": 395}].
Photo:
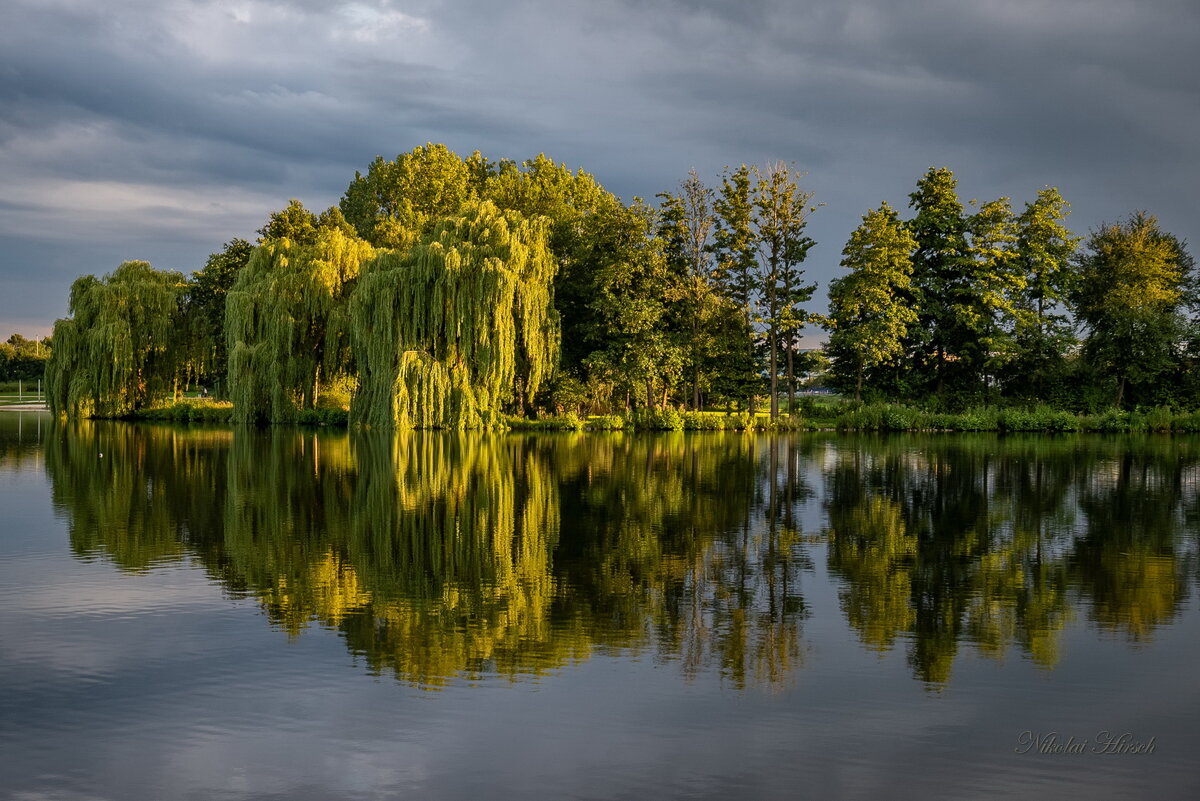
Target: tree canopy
[
  {"x": 113, "y": 355},
  {"x": 1130, "y": 298},
  {"x": 286, "y": 328},
  {"x": 450, "y": 292},
  {"x": 451, "y": 332},
  {"x": 869, "y": 310}
]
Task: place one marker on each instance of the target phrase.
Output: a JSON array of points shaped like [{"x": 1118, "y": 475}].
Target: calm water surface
[{"x": 200, "y": 613}]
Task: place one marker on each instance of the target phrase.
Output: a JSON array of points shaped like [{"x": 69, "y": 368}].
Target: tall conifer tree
[
  {"x": 781, "y": 210},
  {"x": 735, "y": 248},
  {"x": 870, "y": 310},
  {"x": 940, "y": 269},
  {"x": 1043, "y": 331}
]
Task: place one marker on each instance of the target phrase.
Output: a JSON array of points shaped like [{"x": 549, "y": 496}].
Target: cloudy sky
[{"x": 160, "y": 129}]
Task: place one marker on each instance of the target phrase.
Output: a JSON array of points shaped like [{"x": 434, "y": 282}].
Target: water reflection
[
  {"x": 439, "y": 556},
  {"x": 21, "y": 435},
  {"x": 446, "y": 556},
  {"x": 997, "y": 542}
]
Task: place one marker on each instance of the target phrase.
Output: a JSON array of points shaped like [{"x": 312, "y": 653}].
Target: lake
[{"x": 206, "y": 613}]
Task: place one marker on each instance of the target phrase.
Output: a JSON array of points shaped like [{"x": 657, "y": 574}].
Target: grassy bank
[
  {"x": 870, "y": 417},
  {"x": 207, "y": 410},
  {"x": 1043, "y": 419},
  {"x": 189, "y": 410},
  {"x": 665, "y": 420},
  {"x": 197, "y": 410}
]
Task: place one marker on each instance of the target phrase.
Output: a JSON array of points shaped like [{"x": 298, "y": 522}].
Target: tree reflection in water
[
  {"x": 996, "y": 542},
  {"x": 440, "y": 557}
]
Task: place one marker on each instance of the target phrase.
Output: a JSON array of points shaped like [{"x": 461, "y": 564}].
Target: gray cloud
[{"x": 159, "y": 130}]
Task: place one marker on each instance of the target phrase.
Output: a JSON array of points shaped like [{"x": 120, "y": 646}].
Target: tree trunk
[
  {"x": 695, "y": 359},
  {"x": 791, "y": 379},
  {"x": 941, "y": 371},
  {"x": 774, "y": 374},
  {"x": 773, "y": 307},
  {"x": 750, "y": 355}
]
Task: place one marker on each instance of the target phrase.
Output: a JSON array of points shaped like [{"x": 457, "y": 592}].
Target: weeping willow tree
[
  {"x": 286, "y": 324},
  {"x": 113, "y": 355},
  {"x": 448, "y": 333}
]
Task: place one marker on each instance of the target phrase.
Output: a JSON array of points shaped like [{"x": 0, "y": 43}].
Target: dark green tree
[
  {"x": 204, "y": 304},
  {"x": 942, "y": 290},
  {"x": 686, "y": 223},
  {"x": 634, "y": 288},
  {"x": 735, "y": 247},
  {"x": 1130, "y": 298},
  {"x": 869, "y": 311},
  {"x": 1043, "y": 331},
  {"x": 23, "y": 359},
  {"x": 781, "y": 210}
]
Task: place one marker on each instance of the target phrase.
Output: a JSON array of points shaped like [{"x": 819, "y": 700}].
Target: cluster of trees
[
  {"x": 448, "y": 291},
  {"x": 23, "y": 359},
  {"x": 975, "y": 307},
  {"x": 445, "y": 291}
]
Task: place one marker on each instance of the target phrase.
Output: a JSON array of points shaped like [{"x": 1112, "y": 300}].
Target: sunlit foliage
[
  {"x": 113, "y": 354},
  {"x": 450, "y": 332},
  {"x": 287, "y": 327}
]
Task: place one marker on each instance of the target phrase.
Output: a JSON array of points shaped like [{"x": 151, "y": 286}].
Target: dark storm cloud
[{"x": 158, "y": 130}]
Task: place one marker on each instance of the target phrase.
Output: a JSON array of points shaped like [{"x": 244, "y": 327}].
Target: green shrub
[
  {"x": 899, "y": 418},
  {"x": 188, "y": 410},
  {"x": 334, "y": 417},
  {"x": 606, "y": 422},
  {"x": 1160, "y": 418},
  {"x": 1189, "y": 423},
  {"x": 738, "y": 421},
  {"x": 1110, "y": 421},
  {"x": 978, "y": 419},
  {"x": 667, "y": 419},
  {"x": 566, "y": 422},
  {"x": 322, "y": 417}
]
